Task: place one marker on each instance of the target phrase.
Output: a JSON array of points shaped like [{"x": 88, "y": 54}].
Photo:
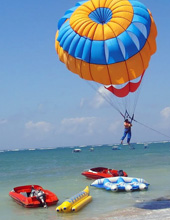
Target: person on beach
[
  {"x": 33, "y": 192},
  {"x": 127, "y": 131}
]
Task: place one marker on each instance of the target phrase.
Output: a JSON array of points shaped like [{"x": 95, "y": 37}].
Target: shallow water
[{"x": 59, "y": 170}]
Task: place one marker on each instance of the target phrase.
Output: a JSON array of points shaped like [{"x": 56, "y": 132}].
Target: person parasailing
[{"x": 127, "y": 131}]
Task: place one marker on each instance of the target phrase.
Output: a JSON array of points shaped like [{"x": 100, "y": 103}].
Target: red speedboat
[
  {"x": 32, "y": 196},
  {"x": 102, "y": 172}
]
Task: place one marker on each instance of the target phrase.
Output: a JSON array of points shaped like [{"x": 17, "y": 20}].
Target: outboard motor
[
  {"x": 120, "y": 173},
  {"x": 41, "y": 197}
]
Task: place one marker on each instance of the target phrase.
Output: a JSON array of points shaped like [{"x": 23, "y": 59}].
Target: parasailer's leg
[
  {"x": 124, "y": 135},
  {"x": 129, "y": 137}
]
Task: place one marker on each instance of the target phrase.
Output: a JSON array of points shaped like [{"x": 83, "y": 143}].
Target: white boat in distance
[{"x": 77, "y": 150}]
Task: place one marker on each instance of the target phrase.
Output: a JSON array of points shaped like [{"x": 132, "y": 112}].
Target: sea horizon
[{"x": 78, "y": 146}]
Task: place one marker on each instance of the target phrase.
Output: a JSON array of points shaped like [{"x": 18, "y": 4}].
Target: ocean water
[{"x": 59, "y": 170}]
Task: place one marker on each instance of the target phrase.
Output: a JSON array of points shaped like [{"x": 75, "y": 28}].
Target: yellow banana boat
[{"x": 76, "y": 202}]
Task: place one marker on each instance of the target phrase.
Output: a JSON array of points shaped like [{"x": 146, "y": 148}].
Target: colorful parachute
[{"x": 107, "y": 41}]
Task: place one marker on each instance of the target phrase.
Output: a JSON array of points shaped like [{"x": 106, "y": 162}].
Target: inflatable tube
[
  {"x": 81, "y": 204},
  {"x": 127, "y": 184},
  {"x": 76, "y": 202}
]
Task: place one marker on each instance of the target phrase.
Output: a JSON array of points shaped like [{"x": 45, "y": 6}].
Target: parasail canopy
[{"x": 108, "y": 41}]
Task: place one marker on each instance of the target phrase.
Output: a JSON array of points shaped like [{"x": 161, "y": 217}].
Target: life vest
[{"x": 127, "y": 124}]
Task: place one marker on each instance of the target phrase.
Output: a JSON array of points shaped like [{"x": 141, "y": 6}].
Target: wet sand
[
  {"x": 150, "y": 210},
  {"x": 136, "y": 214}
]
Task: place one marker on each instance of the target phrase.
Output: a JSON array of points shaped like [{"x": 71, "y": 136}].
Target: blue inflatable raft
[{"x": 128, "y": 184}]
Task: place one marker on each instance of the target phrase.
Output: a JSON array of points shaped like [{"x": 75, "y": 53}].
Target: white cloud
[
  {"x": 114, "y": 127},
  {"x": 80, "y": 126},
  {"x": 165, "y": 113},
  {"x": 100, "y": 97},
  {"x": 3, "y": 121},
  {"x": 40, "y": 126},
  {"x": 82, "y": 102},
  {"x": 165, "y": 122}
]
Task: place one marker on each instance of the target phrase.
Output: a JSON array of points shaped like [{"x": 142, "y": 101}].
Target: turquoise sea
[{"x": 59, "y": 170}]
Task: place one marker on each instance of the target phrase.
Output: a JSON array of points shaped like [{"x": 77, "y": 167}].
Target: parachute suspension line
[
  {"x": 128, "y": 112},
  {"x": 141, "y": 84},
  {"x": 127, "y": 105},
  {"x": 146, "y": 126},
  {"x": 135, "y": 99},
  {"x": 106, "y": 98},
  {"x": 115, "y": 101},
  {"x": 127, "y": 116},
  {"x": 137, "y": 95},
  {"x": 127, "y": 99}
]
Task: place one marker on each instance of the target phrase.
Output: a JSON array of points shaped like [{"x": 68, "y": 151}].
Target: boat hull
[
  {"x": 21, "y": 195},
  {"x": 102, "y": 172}
]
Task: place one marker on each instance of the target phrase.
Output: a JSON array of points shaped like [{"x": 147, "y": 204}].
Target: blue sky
[{"x": 42, "y": 104}]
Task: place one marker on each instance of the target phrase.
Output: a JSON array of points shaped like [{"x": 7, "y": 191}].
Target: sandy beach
[
  {"x": 137, "y": 214},
  {"x": 151, "y": 210}
]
